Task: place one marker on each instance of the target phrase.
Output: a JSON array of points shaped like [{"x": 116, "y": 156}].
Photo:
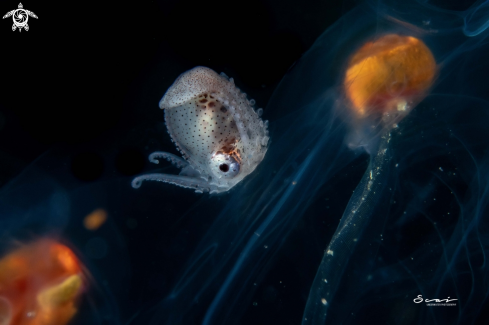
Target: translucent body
[
  {"x": 389, "y": 74},
  {"x": 40, "y": 283},
  {"x": 384, "y": 79},
  {"x": 51, "y": 257},
  {"x": 425, "y": 231},
  {"x": 215, "y": 127}
]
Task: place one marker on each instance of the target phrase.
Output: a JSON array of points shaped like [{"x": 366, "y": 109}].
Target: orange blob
[
  {"x": 390, "y": 74},
  {"x": 40, "y": 284},
  {"x": 95, "y": 219}
]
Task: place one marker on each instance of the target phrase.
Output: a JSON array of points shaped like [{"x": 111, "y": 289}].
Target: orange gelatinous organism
[
  {"x": 95, "y": 220},
  {"x": 40, "y": 284},
  {"x": 390, "y": 74}
]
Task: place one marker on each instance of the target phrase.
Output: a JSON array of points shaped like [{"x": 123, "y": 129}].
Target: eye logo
[{"x": 20, "y": 17}]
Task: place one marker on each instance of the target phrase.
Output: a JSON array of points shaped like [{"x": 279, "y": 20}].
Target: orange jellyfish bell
[
  {"x": 40, "y": 284},
  {"x": 389, "y": 75}
]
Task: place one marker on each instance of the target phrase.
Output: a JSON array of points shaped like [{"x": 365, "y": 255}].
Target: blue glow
[
  {"x": 477, "y": 21},
  {"x": 42, "y": 202}
]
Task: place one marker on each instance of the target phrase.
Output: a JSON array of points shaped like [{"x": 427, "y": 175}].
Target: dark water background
[{"x": 80, "y": 90}]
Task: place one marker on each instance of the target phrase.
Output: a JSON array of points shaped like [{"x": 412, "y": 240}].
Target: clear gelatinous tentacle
[
  {"x": 357, "y": 215},
  {"x": 198, "y": 184},
  {"x": 175, "y": 160}
]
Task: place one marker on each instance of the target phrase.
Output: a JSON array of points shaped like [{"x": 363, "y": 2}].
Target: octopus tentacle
[
  {"x": 199, "y": 185},
  {"x": 175, "y": 160}
]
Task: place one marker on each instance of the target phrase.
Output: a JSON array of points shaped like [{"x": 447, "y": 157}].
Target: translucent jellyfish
[
  {"x": 60, "y": 256},
  {"x": 41, "y": 282}
]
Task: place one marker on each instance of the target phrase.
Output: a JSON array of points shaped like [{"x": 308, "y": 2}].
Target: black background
[{"x": 88, "y": 73}]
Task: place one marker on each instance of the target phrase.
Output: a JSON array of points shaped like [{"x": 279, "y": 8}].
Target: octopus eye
[{"x": 224, "y": 166}]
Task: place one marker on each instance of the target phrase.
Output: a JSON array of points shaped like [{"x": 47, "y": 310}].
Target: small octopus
[{"x": 216, "y": 129}]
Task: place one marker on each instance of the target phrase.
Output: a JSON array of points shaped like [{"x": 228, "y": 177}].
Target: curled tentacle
[{"x": 175, "y": 160}]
